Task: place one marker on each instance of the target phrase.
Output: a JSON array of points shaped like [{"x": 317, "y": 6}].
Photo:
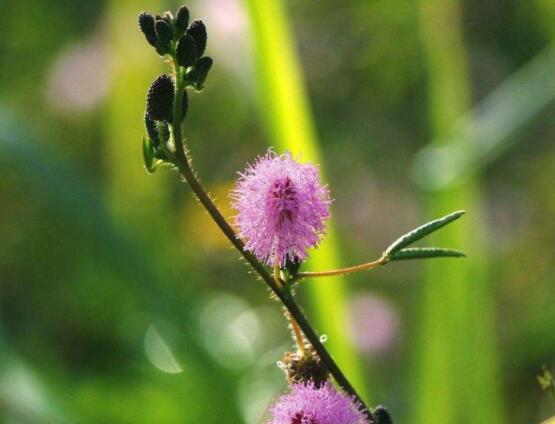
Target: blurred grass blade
[
  {"x": 456, "y": 379},
  {"x": 425, "y": 253},
  {"x": 287, "y": 117},
  {"x": 488, "y": 130},
  {"x": 422, "y": 232}
]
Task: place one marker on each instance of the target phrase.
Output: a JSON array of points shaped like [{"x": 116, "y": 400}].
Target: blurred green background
[{"x": 121, "y": 303}]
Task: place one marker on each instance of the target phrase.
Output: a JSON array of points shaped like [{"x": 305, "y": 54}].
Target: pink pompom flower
[
  {"x": 306, "y": 404},
  {"x": 281, "y": 208}
]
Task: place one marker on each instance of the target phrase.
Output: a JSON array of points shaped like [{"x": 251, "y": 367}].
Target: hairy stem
[{"x": 283, "y": 294}]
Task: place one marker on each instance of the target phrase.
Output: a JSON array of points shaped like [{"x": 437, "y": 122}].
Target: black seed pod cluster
[
  {"x": 185, "y": 44},
  {"x": 189, "y": 51}
]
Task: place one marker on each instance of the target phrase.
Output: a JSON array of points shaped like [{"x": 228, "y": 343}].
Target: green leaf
[
  {"x": 422, "y": 232},
  {"x": 425, "y": 253}
]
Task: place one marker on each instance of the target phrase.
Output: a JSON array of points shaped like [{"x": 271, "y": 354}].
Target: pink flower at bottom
[
  {"x": 306, "y": 404},
  {"x": 281, "y": 208}
]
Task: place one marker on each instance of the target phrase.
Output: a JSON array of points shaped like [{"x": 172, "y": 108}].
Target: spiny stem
[
  {"x": 283, "y": 295},
  {"x": 368, "y": 265}
]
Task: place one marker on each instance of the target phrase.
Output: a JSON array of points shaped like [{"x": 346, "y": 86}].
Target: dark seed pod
[
  {"x": 197, "y": 30},
  {"x": 304, "y": 368},
  {"x": 151, "y": 130},
  {"x": 146, "y": 24},
  {"x": 181, "y": 20},
  {"x": 164, "y": 32},
  {"x": 382, "y": 415},
  {"x": 159, "y": 101},
  {"x": 186, "y": 51},
  {"x": 198, "y": 73}
]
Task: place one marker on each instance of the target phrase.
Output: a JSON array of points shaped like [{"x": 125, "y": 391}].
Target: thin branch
[{"x": 365, "y": 266}]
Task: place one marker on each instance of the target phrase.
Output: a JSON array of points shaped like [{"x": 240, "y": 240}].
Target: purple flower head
[
  {"x": 306, "y": 404},
  {"x": 282, "y": 208}
]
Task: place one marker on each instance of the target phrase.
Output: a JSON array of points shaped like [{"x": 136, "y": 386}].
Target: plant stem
[
  {"x": 283, "y": 294},
  {"x": 368, "y": 265}
]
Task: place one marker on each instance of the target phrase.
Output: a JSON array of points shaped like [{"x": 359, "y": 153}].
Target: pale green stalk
[{"x": 456, "y": 379}]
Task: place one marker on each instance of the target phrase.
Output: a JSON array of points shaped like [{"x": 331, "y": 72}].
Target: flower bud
[
  {"x": 198, "y": 73},
  {"x": 292, "y": 266},
  {"x": 197, "y": 30},
  {"x": 159, "y": 101},
  {"x": 146, "y": 24},
  {"x": 186, "y": 51},
  {"x": 181, "y": 20},
  {"x": 382, "y": 415},
  {"x": 304, "y": 368},
  {"x": 164, "y": 32}
]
